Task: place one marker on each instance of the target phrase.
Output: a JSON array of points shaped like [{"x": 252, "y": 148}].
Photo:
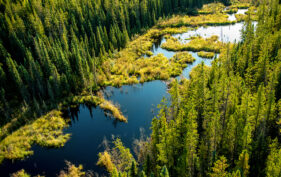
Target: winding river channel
[{"x": 90, "y": 126}]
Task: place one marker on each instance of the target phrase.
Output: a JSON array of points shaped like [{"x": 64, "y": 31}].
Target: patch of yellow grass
[
  {"x": 107, "y": 105},
  {"x": 240, "y": 5},
  {"x": 183, "y": 57},
  {"x": 128, "y": 64},
  {"x": 211, "y": 8},
  {"x": 206, "y": 54},
  {"x": 196, "y": 44},
  {"x": 201, "y": 20},
  {"x": 46, "y": 131}
]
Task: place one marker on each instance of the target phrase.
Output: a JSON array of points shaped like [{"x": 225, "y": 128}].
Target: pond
[{"x": 90, "y": 126}]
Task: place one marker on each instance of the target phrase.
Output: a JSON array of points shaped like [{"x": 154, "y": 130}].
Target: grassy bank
[
  {"x": 96, "y": 100},
  {"x": 193, "y": 21},
  {"x": 211, "y": 8},
  {"x": 46, "y": 131}
]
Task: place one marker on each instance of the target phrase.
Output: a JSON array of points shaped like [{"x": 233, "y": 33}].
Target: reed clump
[
  {"x": 196, "y": 44},
  {"x": 240, "y": 5},
  {"x": 193, "y": 21},
  {"x": 116, "y": 113},
  {"x": 244, "y": 17},
  {"x": 204, "y": 54},
  {"x": 182, "y": 58}
]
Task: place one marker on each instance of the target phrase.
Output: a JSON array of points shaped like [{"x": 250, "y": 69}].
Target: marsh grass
[
  {"x": 193, "y": 21},
  {"x": 46, "y": 131},
  {"x": 196, "y": 44},
  {"x": 211, "y": 8},
  {"x": 240, "y": 5},
  {"x": 83, "y": 99},
  {"x": 129, "y": 65},
  {"x": 204, "y": 54},
  {"x": 116, "y": 113},
  {"x": 97, "y": 100},
  {"x": 105, "y": 161},
  {"x": 244, "y": 17}
]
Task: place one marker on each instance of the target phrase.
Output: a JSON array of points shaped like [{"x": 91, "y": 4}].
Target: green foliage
[
  {"x": 164, "y": 172},
  {"x": 54, "y": 49},
  {"x": 118, "y": 159},
  {"x": 273, "y": 161},
  {"x": 222, "y": 120},
  {"x": 219, "y": 169}
]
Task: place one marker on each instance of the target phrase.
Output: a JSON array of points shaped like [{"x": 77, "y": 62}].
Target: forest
[
  {"x": 54, "y": 49},
  {"x": 224, "y": 121}
]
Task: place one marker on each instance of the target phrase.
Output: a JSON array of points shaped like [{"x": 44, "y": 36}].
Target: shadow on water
[{"x": 89, "y": 126}]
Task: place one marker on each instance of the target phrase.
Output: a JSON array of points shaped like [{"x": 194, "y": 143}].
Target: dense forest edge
[
  {"x": 51, "y": 50},
  {"x": 224, "y": 121}
]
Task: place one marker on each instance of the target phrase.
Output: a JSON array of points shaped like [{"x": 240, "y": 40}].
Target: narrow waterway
[{"x": 90, "y": 126}]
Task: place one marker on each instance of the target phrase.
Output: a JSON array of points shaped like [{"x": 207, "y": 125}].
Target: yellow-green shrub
[
  {"x": 206, "y": 54},
  {"x": 196, "y": 44},
  {"x": 45, "y": 131}
]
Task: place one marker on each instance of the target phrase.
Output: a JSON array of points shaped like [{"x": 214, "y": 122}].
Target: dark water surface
[{"x": 90, "y": 126}]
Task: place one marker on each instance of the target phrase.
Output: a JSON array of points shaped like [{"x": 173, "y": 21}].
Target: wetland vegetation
[{"x": 223, "y": 121}]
